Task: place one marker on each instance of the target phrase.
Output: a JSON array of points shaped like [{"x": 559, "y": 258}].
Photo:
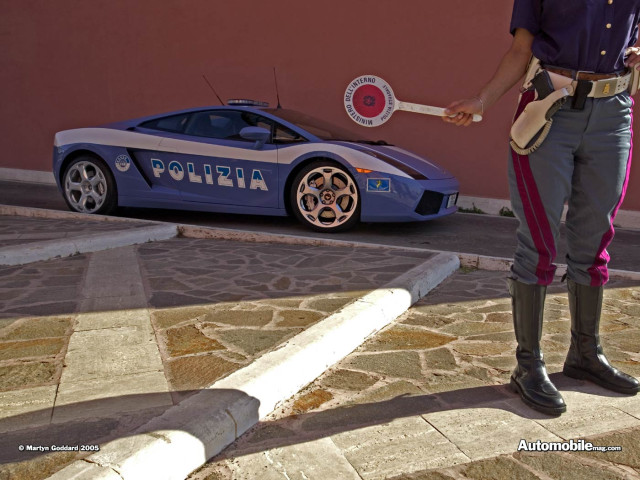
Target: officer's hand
[
  {"x": 460, "y": 113},
  {"x": 632, "y": 59}
]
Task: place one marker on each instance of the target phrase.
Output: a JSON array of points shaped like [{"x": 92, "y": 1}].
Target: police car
[{"x": 247, "y": 158}]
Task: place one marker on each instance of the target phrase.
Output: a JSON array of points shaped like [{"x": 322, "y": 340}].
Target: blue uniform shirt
[{"x": 589, "y": 35}]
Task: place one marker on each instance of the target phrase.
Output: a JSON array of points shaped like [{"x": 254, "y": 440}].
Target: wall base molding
[
  {"x": 28, "y": 176},
  {"x": 492, "y": 206}
]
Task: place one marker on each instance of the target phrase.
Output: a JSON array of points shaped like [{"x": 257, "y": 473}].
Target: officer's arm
[{"x": 511, "y": 69}]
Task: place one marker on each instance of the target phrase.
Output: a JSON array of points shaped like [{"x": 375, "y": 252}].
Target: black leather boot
[
  {"x": 530, "y": 378},
  {"x": 585, "y": 359}
]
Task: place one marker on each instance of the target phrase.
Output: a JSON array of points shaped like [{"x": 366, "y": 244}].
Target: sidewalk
[
  {"x": 95, "y": 345},
  {"x": 428, "y": 398},
  {"x": 99, "y": 348}
]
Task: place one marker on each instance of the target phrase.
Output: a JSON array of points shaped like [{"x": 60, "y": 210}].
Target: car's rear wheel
[
  {"x": 89, "y": 187},
  {"x": 325, "y": 197}
]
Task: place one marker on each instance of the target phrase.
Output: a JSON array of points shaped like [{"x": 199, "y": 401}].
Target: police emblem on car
[
  {"x": 248, "y": 158},
  {"x": 123, "y": 163}
]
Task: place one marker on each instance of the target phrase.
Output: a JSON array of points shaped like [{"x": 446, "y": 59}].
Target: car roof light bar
[{"x": 246, "y": 102}]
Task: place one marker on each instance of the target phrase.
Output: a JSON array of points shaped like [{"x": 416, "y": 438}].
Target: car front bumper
[{"x": 409, "y": 200}]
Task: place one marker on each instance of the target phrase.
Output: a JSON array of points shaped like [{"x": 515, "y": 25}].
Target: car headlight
[{"x": 412, "y": 172}]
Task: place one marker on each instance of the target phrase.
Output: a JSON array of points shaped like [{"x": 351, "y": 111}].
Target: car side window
[
  {"x": 286, "y": 135},
  {"x": 174, "y": 123},
  {"x": 225, "y": 124}
]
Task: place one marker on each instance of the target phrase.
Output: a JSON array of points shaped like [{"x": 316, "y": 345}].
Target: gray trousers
[{"x": 584, "y": 161}]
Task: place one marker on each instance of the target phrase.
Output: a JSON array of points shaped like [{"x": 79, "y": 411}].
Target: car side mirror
[{"x": 258, "y": 134}]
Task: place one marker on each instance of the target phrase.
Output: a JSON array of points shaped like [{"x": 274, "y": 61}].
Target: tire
[
  {"x": 88, "y": 186},
  {"x": 324, "y": 197}
]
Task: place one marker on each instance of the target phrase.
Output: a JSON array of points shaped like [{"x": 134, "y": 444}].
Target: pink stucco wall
[{"x": 73, "y": 63}]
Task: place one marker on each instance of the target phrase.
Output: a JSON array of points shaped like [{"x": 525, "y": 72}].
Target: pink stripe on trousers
[
  {"x": 534, "y": 211},
  {"x": 599, "y": 271}
]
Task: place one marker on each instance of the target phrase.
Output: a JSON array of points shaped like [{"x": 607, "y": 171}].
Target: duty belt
[
  {"x": 596, "y": 85},
  {"x": 553, "y": 86}
]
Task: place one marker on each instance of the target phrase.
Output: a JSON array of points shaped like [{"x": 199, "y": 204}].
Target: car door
[
  {"x": 150, "y": 162},
  {"x": 211, "y": 163}
]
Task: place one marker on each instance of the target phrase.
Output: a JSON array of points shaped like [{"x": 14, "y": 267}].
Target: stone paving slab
[
  {"x": 74, "y": 331},
  {"x": 443, "y": 367}
]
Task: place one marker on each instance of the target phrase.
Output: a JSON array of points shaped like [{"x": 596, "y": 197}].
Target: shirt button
[
  {"x": 608, "y": 25},
  {"x": 603, "y": 52},
  {"x": 610, "y": 2}
]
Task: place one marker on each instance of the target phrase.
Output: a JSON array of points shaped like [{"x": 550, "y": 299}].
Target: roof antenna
[
  {"x": 275, "y": 79},
  {"x": 212, "y": 89}
]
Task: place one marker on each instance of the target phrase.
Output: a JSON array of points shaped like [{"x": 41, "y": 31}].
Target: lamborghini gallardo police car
[{"x": 250, "y": 159}]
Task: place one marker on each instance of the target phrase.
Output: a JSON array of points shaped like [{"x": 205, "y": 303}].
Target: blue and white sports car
[{"x": 250, "y": 159}]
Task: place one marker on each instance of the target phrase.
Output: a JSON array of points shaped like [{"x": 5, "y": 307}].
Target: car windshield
[{"x": 320, "y": 128}]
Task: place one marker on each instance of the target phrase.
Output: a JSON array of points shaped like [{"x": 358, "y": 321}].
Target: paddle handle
[{"x": 427, "y": 110}]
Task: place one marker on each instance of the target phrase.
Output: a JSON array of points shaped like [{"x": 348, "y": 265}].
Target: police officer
[{"x": 584, "y": 160}]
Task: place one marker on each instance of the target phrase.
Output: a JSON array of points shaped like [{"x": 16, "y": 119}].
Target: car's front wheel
[
  {"x": 325, "y": 197},
  {"x": 89, "y": 187}
]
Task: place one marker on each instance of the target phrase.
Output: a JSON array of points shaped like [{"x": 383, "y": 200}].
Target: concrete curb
[
  {"x": 187, "y": 435},
  {"x": 196, "y": 231},
  {"x": 49, "y": 249},
  {"x": 32, "y": 212}
]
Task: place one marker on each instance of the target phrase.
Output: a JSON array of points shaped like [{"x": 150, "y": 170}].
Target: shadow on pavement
[{"x": 316, "y": 425}]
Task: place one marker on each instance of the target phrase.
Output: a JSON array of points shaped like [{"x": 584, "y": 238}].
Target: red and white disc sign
[{"x": 369, "y": 100}]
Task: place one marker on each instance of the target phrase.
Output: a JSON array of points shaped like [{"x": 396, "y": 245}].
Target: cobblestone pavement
[
  {"x": 218, "y": 305},
  {"x": 426, "y": 398},
  {"x": 92, "y": 346},
  {"x": 21, "y": 230}
]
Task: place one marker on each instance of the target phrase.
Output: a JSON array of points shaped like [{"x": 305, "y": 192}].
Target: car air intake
[{"x": 430, "y": 203}]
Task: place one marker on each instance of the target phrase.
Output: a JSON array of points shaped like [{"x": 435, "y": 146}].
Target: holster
[
  {"x": 532, "y": 126},
  {"x": 536, "y": 116}
]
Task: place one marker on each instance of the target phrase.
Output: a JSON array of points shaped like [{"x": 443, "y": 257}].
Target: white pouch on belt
[
  {"x": 532, "y": 126},
  {"x": 536, "y": 118}
]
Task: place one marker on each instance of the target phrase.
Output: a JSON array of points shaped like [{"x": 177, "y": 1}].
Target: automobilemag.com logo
[{"x": 570, "y": 446}]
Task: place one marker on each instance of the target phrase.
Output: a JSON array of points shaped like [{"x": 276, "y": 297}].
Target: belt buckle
[
  {"x": 605, "y": 87},
  {"x": 578, "y": 72}
]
